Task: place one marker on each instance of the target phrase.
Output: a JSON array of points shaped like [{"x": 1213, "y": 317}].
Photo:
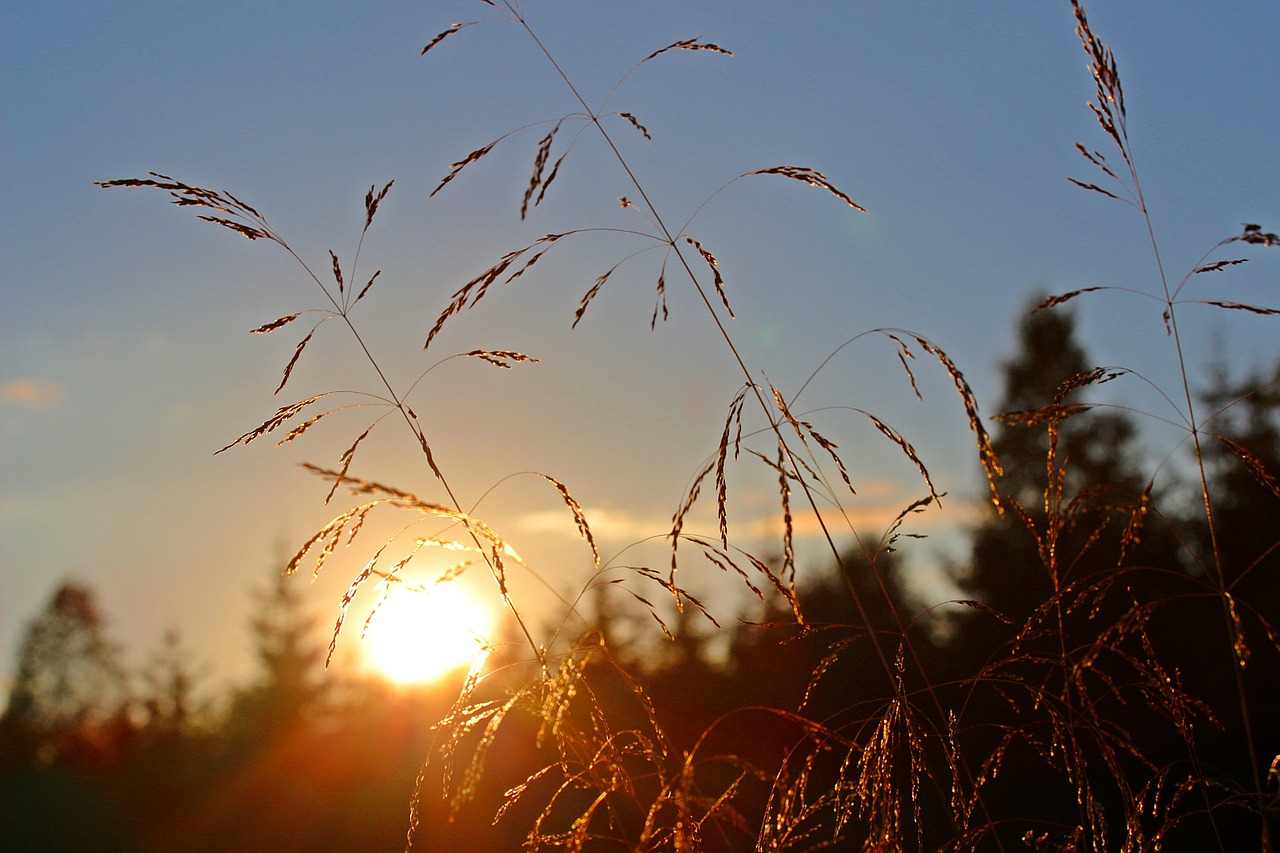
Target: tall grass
[{"x": 1071, "y": 691}]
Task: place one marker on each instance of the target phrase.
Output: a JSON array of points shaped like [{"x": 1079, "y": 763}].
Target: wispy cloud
[
  {"x": 614, "y": 525},
  {"x": 34, "y": 392},
  {"x": 871, "y": 519},
  {"x": 880, "y": 504}
]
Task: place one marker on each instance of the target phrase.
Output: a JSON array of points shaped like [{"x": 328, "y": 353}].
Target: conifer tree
[
  {"x": 1097, "y": 452},
  {"x": 1242, "y": 455},
  {"x": 290, "y": 687},
  {"x": 1244, "y": 466}
]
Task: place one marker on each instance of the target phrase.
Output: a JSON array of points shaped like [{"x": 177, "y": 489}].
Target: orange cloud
[
  {"x": 872, "y": 517},
  {"x": 38, "y": 393},
  {"x": 607, "y": 524}
]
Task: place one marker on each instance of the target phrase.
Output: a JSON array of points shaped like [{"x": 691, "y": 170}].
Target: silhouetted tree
[
  {"x": 177, "y": 752},
  {"x": 69, "y": 686},
  {"x": 1234, "y": 672},
  {"x": 168, "y": 698},
  {"x": 63, "y": 732},
  {"x": 1073, "y": 573},
  {"x": 1096, "y": 450},
  {"x": 290, "y": 688},
  {"x": 1243, "y": 458}
]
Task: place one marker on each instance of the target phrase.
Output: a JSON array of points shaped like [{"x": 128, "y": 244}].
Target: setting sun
[{"x": 420, "y": 636}]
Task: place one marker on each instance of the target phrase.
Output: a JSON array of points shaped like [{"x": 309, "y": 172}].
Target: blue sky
[{"x": 125, "y": 362}]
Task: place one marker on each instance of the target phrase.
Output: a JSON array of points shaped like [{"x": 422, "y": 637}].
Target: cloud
[
  {"x": 873, "y": 519},
  {"x": 878, "y": 504},
  {"x": 618, "y": 525},
  {"x": 37, "y": 393},
  {"x": 881, "y": 505}
]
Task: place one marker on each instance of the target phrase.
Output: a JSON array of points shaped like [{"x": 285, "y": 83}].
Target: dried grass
[{"x": 923, "y": 766}]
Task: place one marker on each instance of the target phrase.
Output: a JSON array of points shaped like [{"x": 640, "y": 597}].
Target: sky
[{"x": 124, "y": 358}]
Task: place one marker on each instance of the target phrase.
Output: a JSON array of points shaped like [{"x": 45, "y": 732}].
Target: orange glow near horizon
[{"x": 418, "y": 637}]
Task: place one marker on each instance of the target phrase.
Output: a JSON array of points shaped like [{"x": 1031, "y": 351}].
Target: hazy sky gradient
[{"x": 126, "y": 364}]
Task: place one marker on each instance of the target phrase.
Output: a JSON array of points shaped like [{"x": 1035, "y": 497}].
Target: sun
[{"x": 420, "y": 636}]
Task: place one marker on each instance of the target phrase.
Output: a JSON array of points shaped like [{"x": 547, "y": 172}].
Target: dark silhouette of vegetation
[
  {"x": 69, "y": 682},
  {"x": 291, "y": 690},
  {"x": 63, "y": 731}
]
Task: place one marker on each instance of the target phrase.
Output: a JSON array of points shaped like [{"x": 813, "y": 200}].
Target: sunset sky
[{"x": 124, "y": 358}]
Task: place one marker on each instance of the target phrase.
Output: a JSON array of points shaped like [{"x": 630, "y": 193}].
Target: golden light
[{"x": 420, "y": 636}]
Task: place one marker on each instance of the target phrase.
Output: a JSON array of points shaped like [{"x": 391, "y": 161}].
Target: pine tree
[
  {"x": 290, "y": 688},
  {"x": 1096, "y": 451},
  {"x": 1242, "y": 456},
  {"x": 1078, "y": 588},
  {"x": 1244, "y": 469}
]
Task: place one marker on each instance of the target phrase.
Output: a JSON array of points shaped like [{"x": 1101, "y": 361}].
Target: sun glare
[{"x": 417, "y": 637}]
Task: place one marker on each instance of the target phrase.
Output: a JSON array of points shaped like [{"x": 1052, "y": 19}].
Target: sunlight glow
[{"x": 420, "y": 636}]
